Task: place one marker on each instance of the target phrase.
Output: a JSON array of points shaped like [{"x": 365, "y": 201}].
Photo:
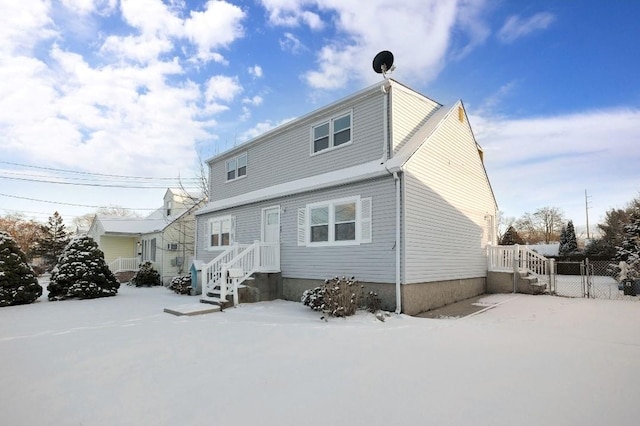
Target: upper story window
[
  {"x": 237, "y": 167},
  {"x": 332, "y": 134},
  {"x": 168, "y": 206}
]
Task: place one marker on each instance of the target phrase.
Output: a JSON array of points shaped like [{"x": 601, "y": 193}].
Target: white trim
[
  {"x": 330, "y": 121},
  {"x": 370, "y": 170},
  {"x": 305, "y": 212},
  {"x": 262, "y": 223},
  {"x": 236, "y": 158},
  {"x": 220, "y": 219}
]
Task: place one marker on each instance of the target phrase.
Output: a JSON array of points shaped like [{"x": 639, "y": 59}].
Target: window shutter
[
  {"x": 302, "y": 226},
  {"x": 207, "y": 241},
  {"x": 365, "y": 220},
  {"x": 232, "y": 230}
]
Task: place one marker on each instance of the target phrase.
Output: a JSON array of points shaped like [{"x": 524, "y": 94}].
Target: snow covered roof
[
  {"x": 127, "y": 225},
  {"x": 551, "y": 249},
  {"x": 357, "y": 173}
]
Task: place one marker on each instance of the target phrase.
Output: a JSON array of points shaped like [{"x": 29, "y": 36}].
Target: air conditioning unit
[
  {"x": 177, "y": 262},
  {"x": 172, "y": 246}
]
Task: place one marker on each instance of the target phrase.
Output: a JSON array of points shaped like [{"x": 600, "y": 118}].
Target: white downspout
[
  {"x": 398, "y": 293},
  {"x": 385, "y": 121}
]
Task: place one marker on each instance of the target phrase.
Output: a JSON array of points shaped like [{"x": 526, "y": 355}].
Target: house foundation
[{"x": 416, "y": 298}]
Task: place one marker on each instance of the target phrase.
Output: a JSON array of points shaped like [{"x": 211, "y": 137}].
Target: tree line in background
[{"x": 618, "y": 237}]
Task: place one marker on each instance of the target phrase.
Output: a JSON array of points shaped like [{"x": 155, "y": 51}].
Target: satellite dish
[{"x": 383, "y": 62}]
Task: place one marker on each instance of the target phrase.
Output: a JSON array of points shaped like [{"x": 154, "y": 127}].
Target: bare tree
[
  {"x": 25, "y": 232},
  {"x": 85, "y": 220},
  {"x": 550, "y": 221}
]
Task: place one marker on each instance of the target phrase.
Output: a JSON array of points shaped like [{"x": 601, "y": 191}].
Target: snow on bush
[
  {"x": 181, "y": 284},
  {"x": 18, "y": 282},
  {"x": 340, "y": 297},
  {"x": 82, "y": 272},
  {"x": 146, "y": 276}
]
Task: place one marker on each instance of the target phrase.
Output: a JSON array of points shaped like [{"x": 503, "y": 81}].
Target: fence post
[
  {"x": 552, "y": 276},
  {"x": 516, "y": 261}
]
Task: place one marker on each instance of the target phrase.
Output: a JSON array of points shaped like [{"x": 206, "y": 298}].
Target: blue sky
[{"x": 145, "y": 87}]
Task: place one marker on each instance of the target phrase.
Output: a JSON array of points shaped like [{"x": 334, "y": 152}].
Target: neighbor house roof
[{"x": 127, "y": 225}]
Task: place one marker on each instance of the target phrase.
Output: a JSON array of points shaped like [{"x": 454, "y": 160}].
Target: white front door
[{"x": 271, "y": 225}]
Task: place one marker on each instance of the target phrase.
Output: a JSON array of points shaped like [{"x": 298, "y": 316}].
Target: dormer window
[
  {"x": 168, "y": 205},
  {"x": 331, "y": 134},
  {"x": 237, "y": 167}
]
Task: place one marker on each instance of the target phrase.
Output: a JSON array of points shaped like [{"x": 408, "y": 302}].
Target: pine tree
[
  {"x": 511, "y": 237},
  {"x": 18, "y": 282},
  {"x": 572, "y": 241},
  {"x": 82, "y": 272},
  {"x": 629, "y": 249},
  {"x": 54, "y": 239},
  {"x": 562, "y": 250}
]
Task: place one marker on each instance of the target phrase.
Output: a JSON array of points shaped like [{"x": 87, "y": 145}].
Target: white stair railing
[
  {"x": 521, "y": 259},
  {"x": 243, "y": 260}
]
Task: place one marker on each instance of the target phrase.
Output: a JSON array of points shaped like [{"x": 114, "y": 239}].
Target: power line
[
  {"x": 30, "y": 175},
  {"x": 69, "y": 204},
  {"x": 89, "y": 184},
  {"x": 88, "y": 173}
]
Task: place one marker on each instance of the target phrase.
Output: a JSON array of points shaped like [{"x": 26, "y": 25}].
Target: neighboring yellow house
[{"x": 165, "y": 237}]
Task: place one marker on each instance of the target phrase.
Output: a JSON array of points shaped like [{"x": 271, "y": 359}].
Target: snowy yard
[{"x": 121, "y": 361}]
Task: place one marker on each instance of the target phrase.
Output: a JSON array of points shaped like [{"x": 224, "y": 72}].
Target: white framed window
[
  {"x": 345, "y": 221},
  {"x": 331, "y": 134},
  {"x": 236, "y": 167},
  {"x": 220, "y": 232},
  {"x": 168, "y": 206},
  {"x": 149, "y": 250}
]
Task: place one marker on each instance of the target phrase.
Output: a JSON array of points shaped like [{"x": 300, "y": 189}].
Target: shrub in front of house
[
  {"x": 340, "y": 297},
  {"x": 181, "y": 284},
  {"x": 146, "y": 276},
  {"x": 81, "y": 272},
  {"x": 18, "y": 282}
]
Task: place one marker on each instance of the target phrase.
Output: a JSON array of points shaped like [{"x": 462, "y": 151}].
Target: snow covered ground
[{"x": 121, "y": 361}]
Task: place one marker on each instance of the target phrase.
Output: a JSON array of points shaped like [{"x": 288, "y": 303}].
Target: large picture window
[
  {"x": 237, "y": 167},
  {"x": 220, "y": 232},
  {"x": 335, "y": 222},
  {"x": 331, "y": 134}
]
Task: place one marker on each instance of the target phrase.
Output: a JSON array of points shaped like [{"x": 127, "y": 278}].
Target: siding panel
[
  {"x": 410, "y": 111},
  {"x": 448, "y": 198},
  {"x": 286, "y": 156},
  {"x": 372, "y": 262}
]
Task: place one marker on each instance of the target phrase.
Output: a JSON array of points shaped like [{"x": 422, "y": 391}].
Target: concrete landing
[
  {"x": 461, "y": 309},
  {"x": 192, "y": 309}
]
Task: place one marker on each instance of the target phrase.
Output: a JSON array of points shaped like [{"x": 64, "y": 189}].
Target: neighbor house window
[
  {"x": 332, "y": 134},
  {"x": 336, "y": 222},
  {"x": 149, "y": 250},
  {"x": 237, "y": 167},
  {"x": 169, "y": 204},
  {"x": 220, "y": 232}
]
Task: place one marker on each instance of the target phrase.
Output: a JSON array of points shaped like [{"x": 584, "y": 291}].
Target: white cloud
[
  {"x": 26, "y": 23},
  {"x": 219, "y": 25},
  {"x": 86, "y": 7},
  {"x": 516, "y": 27},
  {"x": 537, "y": 162},
  {"x": 222, "y": 88},
  {"x": 290, "y": 43},
  {"x": 261, "y": 128},
  {"x": 383, "y": 25},
  {"x": 254, "y": 101},
  {"x": 291, "y": 13},
  {"x": 255, "y": 71}
]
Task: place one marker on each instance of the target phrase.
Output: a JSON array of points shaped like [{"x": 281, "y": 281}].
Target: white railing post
[
  {"x": 223, "y": 282},
  {"x": 516, "y": 260},
  {"x": 235, "y": 292},
  {"x": 257, "y": 262}
]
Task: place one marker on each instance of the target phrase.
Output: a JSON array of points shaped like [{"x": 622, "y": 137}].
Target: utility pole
[{"x": 586, "y": 209}]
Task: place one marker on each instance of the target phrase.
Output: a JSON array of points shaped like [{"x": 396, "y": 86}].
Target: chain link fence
[{"x": 590, "y": 279}]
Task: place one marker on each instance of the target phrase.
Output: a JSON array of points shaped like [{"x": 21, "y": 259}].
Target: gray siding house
[{"x": 385, "y": 185}]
